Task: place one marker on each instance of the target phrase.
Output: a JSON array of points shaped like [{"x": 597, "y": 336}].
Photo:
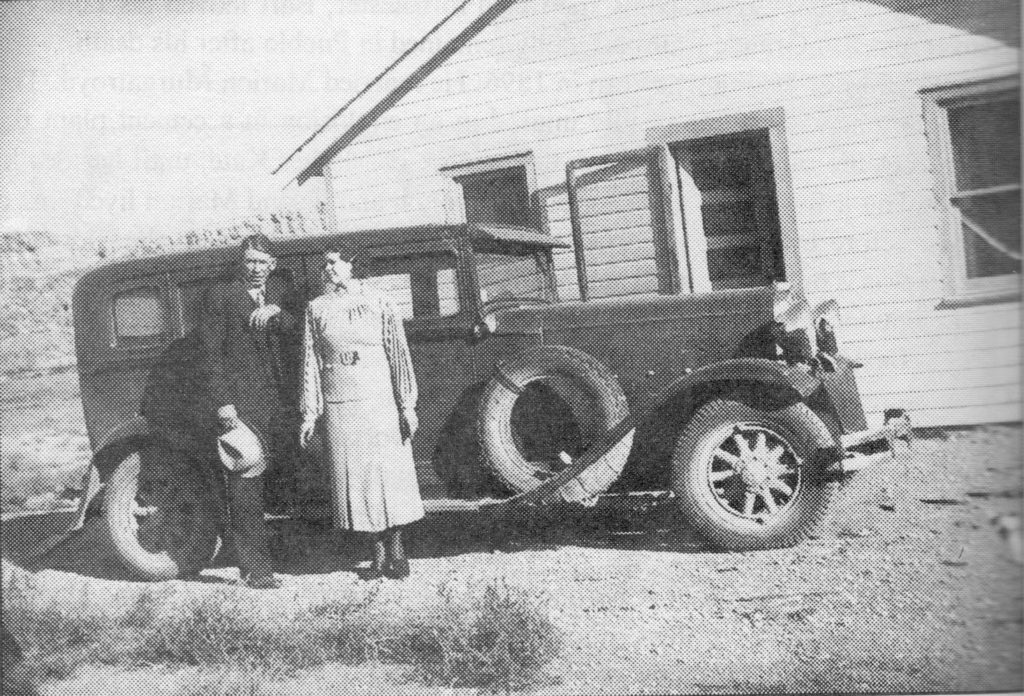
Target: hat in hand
[{"x": 240, "y": 451}]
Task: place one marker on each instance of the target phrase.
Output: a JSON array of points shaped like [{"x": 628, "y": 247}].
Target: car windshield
[{"x": 508, "y": 276}]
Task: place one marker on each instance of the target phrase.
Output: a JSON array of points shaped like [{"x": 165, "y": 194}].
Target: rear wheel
[
  {"x": 162, "y": 516},
  {"x": 746, "y": 477}
]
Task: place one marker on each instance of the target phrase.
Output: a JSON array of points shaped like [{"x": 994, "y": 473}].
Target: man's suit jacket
[{"x": 254, "y": 370}]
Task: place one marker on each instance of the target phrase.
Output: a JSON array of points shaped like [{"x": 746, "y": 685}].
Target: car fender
[
  {"x": 793, "y": 380},
  {"x": 131, "y": 433}
]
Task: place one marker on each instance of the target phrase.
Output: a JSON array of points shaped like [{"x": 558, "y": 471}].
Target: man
[{"x": 246, "y": 329}]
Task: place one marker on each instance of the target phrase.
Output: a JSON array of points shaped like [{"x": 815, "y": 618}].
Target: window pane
[
  {"x": 507, "y": 277},
  {"x": 723, "y": 164},
  {"x": 140, "y": 314},
  {"x": 447, "y": 292},
  {"x": 998, "y": 215},
  {"x": 734, "y": 262},
  {"x": 398, "y": 288},
  {"x": 499, "y": 197},
  {"x": 738, "y": 211},
  {"x": 986, "y": 143},
  {"x": 729, "y": 218}
]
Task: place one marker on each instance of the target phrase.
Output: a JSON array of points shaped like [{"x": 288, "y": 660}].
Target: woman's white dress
[{"x": 358, "y": 376}]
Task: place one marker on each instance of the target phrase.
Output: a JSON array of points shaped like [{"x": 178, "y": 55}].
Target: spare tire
[{"x": 545, "y": 401}]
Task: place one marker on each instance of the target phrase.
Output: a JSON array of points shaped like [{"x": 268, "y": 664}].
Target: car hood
[{"x": 752, "y": 307}]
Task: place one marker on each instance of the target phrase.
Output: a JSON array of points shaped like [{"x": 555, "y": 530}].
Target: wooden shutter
[{"x": 619, "y": 208}]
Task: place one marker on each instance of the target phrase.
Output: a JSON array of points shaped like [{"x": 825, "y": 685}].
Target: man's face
[{"x": 258, "y": 265}]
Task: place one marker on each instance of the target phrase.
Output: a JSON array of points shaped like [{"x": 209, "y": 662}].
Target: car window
[
  {"x": 447, "y": 292},
  {"x": 140, "y": 316},
  {"x": 419, "y": 286},
  {"x": 398, "y": 287},
  {"x": 506, "y": 276}
]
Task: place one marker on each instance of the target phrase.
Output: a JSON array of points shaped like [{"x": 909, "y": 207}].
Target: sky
[{"x": 124, "y": 119}]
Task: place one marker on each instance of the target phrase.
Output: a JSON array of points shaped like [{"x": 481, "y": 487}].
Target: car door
[{"x": 424, "y": 287}]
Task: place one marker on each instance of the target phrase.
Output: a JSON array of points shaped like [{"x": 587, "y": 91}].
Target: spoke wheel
[
  {"x": 160, "y": 513},
  {"x": 741, "y": 474},
  {"x": 754, "y": 473}
]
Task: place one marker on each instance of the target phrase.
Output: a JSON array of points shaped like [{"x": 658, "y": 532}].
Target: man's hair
[{"x": 258, "y": 242}]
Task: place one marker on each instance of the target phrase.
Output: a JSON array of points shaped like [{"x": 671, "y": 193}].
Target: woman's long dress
[{"x": 357, "y": 375}]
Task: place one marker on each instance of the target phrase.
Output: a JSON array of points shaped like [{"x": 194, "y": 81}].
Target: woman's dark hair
[
  {"x": 259, "y": 242},
  {"x": 353, "y": 257}
]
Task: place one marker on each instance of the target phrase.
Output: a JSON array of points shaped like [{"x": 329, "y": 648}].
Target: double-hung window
[{"x": 974, "y": 135}]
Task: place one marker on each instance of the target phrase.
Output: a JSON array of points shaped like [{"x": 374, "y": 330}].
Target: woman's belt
[{"x": 355, "y": 373}]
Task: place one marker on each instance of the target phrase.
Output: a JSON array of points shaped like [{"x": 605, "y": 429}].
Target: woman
[{"x": 357, "y": 376}]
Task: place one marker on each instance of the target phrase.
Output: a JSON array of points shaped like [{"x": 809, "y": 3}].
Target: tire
[
  {"x": 770, "y": 495},
  {"x": 160, "y": 513},
  {"x": 545, "y": 401}
]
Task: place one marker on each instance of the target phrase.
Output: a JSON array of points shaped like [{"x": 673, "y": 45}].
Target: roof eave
[{"x": 465, "y": 22}]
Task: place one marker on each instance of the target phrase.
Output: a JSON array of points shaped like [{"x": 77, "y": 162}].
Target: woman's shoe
[{"x": 397, "y": 569}]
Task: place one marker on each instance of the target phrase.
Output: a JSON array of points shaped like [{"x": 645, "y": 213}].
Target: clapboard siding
[
  {"x": 625, "y": 78},
  {"x": 566, "y": 79}
]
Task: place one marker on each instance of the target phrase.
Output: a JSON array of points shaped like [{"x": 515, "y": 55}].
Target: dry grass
[
  {"x": 502, "y": 644},
  {"x": 230, "y": 681},
  {"x": 44, "y": 450},
  {"x": 27, "y": 483},
  {"x": 499, "y": 641}
]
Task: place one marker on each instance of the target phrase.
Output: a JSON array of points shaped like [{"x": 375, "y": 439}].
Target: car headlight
[
  {"x": 794, "y": 328},
  {"x": 826, "y": 324}
]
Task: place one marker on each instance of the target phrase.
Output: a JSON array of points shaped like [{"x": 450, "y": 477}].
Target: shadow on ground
[{"x": 309, "y": 547}]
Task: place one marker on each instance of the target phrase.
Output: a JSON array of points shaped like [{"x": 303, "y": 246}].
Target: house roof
[{"x": 411, "y": 68}]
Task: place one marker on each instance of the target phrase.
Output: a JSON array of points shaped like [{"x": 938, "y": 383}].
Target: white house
[{"x": 867, "y": 151}]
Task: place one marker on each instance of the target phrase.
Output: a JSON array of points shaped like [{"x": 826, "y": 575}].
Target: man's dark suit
[{"x": 254, "y": 371}]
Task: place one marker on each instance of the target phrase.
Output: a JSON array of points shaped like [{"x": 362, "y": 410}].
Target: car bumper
[{"x": 871, "y": 447}]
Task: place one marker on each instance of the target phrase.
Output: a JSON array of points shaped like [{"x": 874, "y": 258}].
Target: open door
[{"x": 620, "y": 210}]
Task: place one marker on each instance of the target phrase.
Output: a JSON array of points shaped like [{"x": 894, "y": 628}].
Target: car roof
[{"x": 417, "y": 237}]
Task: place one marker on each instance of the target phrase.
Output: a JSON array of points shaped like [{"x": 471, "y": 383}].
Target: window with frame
[
  {"x": 727, "y": 191},
  {"x": 419, "y": 287},
  {"x": 140, "y": 316},
  {"x": 494, "y": 192},
  {"x": 720, "y": 201},
  {"x": 975, "y": 140}
]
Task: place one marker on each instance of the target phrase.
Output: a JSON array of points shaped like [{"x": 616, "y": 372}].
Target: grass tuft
[
  {"x": 502, "y": 644},
  {"x": 501, "y": 641}
]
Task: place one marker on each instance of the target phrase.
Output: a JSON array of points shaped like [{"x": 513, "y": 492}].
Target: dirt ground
[{"x": 924, "y": 597}]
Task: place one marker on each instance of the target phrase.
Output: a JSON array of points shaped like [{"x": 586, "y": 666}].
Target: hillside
[{"x": 38, "y": 271}]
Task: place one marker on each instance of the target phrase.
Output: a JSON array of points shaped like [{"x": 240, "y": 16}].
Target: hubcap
[{"x": 754, "y": 473}]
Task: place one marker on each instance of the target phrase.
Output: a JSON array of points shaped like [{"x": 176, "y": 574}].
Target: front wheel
[
  {"x": 745, "y": 477},
  {"x": 161, "y": 515}
]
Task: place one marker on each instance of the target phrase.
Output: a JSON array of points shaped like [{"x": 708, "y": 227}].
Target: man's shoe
[
  {"x": 263, "y": 582},
  {"x": 397, "y": 569}
]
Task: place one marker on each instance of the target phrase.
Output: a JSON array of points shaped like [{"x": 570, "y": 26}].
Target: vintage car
[{"x": 738, "y": 402}]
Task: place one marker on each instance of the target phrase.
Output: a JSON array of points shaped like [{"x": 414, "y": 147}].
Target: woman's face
[{"x": 337, "y": 269}]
